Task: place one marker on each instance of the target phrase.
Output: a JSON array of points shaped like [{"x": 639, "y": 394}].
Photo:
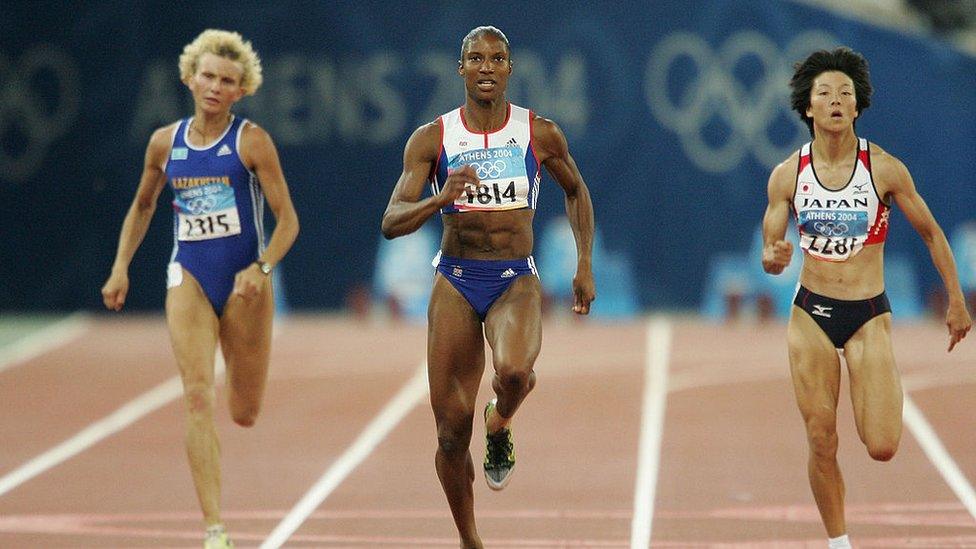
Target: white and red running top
[
  {"x": 835, "y": 224},
  {"x": 504, "y": 161}
]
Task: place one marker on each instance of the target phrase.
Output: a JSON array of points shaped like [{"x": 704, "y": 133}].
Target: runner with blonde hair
[{"x": 221, "y": 169}]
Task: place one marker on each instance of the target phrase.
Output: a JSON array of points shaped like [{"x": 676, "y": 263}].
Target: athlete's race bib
[
  {"x": 833, "y": 234},
  {"x": 503, "y": 183},
  {"x": 206, "y": 212}
]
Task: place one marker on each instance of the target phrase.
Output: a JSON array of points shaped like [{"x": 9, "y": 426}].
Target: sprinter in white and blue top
[
  {"x": 482, "y": 162},
  {"x": 840, "y": 188},
  {"x": 221, "y": 169}
]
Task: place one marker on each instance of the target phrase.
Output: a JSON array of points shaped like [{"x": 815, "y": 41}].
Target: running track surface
[{"x": 674, "y": 430}]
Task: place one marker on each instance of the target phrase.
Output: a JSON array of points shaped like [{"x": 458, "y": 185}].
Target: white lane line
[
  {"x": 43, "y": 340},
  {"x": 404, "y": 401},
  {"x": 939, "y": 456},
  {"x": 128, "y": 414},
  {"x": 652, "y": 427}
]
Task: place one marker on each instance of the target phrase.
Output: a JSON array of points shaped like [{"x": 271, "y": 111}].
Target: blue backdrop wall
[{"x": 675, "y": 111}]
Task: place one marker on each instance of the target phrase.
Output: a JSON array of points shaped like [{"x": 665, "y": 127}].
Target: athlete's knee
[
  {"x": 199, "y": 399},
  {"x": 245, "y": 415},
  {"x": 882, "y": 450},
  {"x": 823, "y": 440},
  {"x": 518, "y": 378},
  {"x": 453, "y": 437}
]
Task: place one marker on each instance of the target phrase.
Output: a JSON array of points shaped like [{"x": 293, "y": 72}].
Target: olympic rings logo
[
  {"x": 831, "y": 229},
  {"x": 489, "y": 169},
  {"x": 716, "y": 94},
  {"x": 201, "y": 205},
  {"x": 38, "y": 103}
]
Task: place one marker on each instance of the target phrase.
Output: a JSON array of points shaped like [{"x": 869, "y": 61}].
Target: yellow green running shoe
[
  {"x": 217, "y": 538},
  {"x": 499, "y": 454}
]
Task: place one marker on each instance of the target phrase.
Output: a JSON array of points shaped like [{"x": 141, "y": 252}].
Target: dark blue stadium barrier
[{"x": 675, "y": 112}]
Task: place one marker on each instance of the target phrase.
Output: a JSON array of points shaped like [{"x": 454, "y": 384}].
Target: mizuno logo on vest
[{"x": 831, "y": 203}]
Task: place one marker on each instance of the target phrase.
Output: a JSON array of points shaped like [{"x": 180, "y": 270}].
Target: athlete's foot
[
  {"x": 840, "y": 542},
  {"x": 499, "y": 453},
  {"x": 217, "y": 538}
]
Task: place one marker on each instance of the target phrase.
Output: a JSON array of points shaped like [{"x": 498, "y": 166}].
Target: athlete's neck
[
  {"x": 209, "y": 126},
  {"x": 831, "y": 147},
  {"x": 485, "y": 116}
]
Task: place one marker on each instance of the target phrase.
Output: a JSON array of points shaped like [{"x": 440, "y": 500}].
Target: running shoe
[
  {"x": 217, "y": 539},
  {"x": 499, "y": 454}
]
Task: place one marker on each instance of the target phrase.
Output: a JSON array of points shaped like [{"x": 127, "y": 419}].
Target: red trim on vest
[
  {"x": 865, "y": 158},
  {"x": 879, "y": 231},
  {"x": 804, "y": 162}
]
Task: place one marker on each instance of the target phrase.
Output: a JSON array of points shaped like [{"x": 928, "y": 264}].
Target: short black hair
[
  {"x": 842, "y": 59},
  {"x": 480, "y": 31}
]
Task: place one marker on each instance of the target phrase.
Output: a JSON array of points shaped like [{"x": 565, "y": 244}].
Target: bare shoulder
[
  {"x": 886, "y": 167},
  {"x": 160, "y": 143},
  {"x": 783, "y": 175},
  {"x": 545, "y": 131},
  {"x": 163, "y": 136},
  {"x": 548, "y": 138},
  {"x": 424, "y": 142},
  {"x": 253, "y": 134}
]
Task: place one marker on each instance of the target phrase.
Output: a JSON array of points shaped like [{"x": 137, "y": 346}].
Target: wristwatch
[{"x": 265, "y": 267}]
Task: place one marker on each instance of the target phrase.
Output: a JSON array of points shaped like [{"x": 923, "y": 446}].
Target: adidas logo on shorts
[{"x": 509, "y": 273}]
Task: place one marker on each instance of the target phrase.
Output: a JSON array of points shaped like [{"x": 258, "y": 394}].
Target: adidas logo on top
[
  {"x": 224, "y": 150},
  {"x": 512, "y": 142},
  {"x": 509, "y": 273}
]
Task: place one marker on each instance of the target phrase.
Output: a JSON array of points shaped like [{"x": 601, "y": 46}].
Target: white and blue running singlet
[
  {"x": 835, "y": 225},
  {"x": 506, "y": 166},
  {"x": 218, "y": 210}
]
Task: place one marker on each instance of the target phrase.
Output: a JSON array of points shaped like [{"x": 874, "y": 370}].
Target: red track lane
[{"x": 733, "y": 454}]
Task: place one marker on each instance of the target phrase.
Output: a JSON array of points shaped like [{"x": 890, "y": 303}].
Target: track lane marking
[
  {"x": 652, "y": 427},
  {"x": 939, "y": 456},
  {"x": 48, "y": 338},
  {"x": 389, "y": 417}
]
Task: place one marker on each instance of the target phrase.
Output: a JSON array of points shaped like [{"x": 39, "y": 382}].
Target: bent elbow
[{"x": 388, "y": 230}]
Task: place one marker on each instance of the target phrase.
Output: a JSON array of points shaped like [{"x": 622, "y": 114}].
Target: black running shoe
[{"x": 499, "y": 454}]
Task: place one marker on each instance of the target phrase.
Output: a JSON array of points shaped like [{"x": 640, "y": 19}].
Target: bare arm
[
  {"x": 259, "y": 154},
  {"x": 777, "y": 251},
  {"x": 406, "y": 212},
  {"x": 138, "y": 217},
  {"x": 899, "y": 184},
  {"x": 554, "y": 154}
]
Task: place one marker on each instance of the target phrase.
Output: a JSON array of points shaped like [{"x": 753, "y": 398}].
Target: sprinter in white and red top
[
  {"x": 835, "y": 224},
  {"x": 840, "y": 188},
  {"x": 482, "y": 161}
]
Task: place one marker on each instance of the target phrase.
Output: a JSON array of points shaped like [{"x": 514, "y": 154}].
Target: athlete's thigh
[
  {"x": 876, "y": 392},
  {"x": 513, "y": 325},
  {"x": 245, "y": 340},
  {"x": 814, "y": 365},
  {"x": 455, "y": 348},
  {"x": 193, "y": 330}
]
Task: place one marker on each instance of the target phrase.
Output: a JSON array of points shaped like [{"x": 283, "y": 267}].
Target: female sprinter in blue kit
[{"x": 221, "y": 169}]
